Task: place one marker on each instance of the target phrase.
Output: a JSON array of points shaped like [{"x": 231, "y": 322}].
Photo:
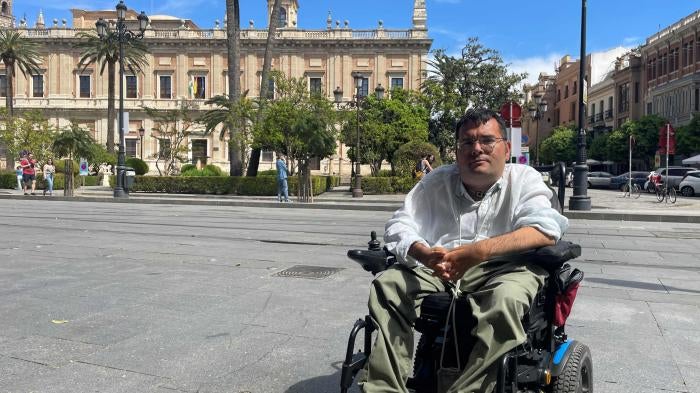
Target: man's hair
[{"x": 476, "y": 117}]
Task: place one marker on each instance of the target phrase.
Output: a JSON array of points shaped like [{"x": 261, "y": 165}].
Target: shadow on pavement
[
  {"x": 321, "y": 384},
  {"x": 638, "y": 284}
]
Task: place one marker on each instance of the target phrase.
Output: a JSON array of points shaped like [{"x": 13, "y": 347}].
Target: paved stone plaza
[{"x": 104, "y": 297}]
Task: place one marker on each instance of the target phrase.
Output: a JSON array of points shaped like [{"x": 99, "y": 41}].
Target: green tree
[
  {"x": 477, "y": 78},
  {"x": 233, "y": 45},
  {"x": 264, "y": 80},
  {"x": 385, "y": 125},
  {"x": 299, "y": 125},
  {"x": 171, "y": 129},
  {"x": 688, "y": 137},
  {"x": 21, "y": 52},
  {"x": 231, "y": 115},
  {"x": 598, "y": 149},
  {"x": 559, "y": 146},
  {"x": 105, "y": 53},
  {"x": 29, "y": 131},
  {"x": 71, "y": 143}
]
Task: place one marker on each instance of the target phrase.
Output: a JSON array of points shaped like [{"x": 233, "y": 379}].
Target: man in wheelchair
[{"x": 448, "y": 236}]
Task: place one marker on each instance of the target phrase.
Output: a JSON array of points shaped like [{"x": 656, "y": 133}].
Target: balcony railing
[
  {"x": 246, "y": 34},
  {"x": 598, "y": 117},
  {"x": 608, "y": 114}
]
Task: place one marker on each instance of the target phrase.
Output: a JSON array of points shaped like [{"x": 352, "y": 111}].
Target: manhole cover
[{"x": 313, "y": 272}]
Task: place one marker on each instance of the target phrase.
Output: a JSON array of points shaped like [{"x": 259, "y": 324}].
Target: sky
[{"x": 531, "y": 36}]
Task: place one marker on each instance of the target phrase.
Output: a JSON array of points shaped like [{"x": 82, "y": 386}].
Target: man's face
[{"x": 482, "y": 153}]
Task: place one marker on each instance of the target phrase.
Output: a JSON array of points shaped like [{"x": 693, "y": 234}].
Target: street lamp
[
  {"x": 121, "y": 35},
  {"x": 580, "y": 199},
  {"x": 537, "y": 111},
  {"x": 356, "y": 103},
  {"x": 142, "y": 132}
]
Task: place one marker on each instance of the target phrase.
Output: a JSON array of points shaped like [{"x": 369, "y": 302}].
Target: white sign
[{"x": 515, "y": 148}]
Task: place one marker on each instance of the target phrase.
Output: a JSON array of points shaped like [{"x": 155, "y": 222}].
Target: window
[
  {"x": 3, "y": 85},
  {"x": 610, "y": 103},
  {"x": 315, "y": 86},
  {"x": 282, "y": 17},
  {"x": 267, "y": 155},
  {"x": 198, "y": 87},
  {"x": 575, "y": 88},
  {"x": 131, "y": 86},
  {"x": 270, "y": 89},
  {"x": 592, "y": 110},
  {"x": 315, "y": 164},
  {"x": 363, "y": 91},
  {"x": 697, "y": 100},
  {"x": 566, "y": 91},
  {"x": 558, "y": 95},
  {"x": 84, "y": 82},
  {"x": 131, "y": 147},
  {"x": 396, "y": 83},
  {"x": 37, "y": 85},
  {"x": 163, "y": 148},
  {"x": 199, "y": 151},
  {"x": 572, "y": 111},
  {"x": 623, "y": 98},
  {"x": 165, "y": 88},
  {"x": 636, "y": 92}
]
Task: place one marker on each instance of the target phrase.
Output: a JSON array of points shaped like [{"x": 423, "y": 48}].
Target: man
[
  {"x": 282, "y": 189},
  {"x": 28, "y": 172},
  {"x": 451, "y": 224}
]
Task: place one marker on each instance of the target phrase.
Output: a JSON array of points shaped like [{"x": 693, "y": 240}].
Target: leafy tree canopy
[
  {"x": 559, "y": 146},
  {"x": 29, "y": 131},
  {"x": 688, "y": 137}
]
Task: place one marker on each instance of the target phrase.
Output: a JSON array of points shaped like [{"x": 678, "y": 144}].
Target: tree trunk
[
  {"x": 111, "y": 111},
  {"x": 304, "y": 193},
  {"x": 264, "y": 85},
  {"x": 68, "y": 178},
  {"x": 10, "y": 78},
  {"x": 233, "y": 44}
]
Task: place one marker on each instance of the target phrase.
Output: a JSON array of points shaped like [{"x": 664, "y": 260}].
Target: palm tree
[
  {"x": 235, "y": 119},
  {"x": 264, "y": 84},
  {"x": 17, "y": 50},
  {"x": 71, "y": 143},
  {"x": 105, "y": 52},
  {"x": 233, "y": 44}
]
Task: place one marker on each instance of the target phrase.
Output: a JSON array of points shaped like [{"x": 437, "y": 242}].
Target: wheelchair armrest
[
  {"x": 550, "y": 257},
  {"x": 371, "y": 260}
]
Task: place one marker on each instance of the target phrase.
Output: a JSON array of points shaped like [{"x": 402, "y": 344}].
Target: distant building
[
  {"x": 671, "y": 72},
  {"x": 187, "y": 62}
]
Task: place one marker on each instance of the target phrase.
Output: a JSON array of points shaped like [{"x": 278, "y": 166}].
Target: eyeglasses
[{"x": 487, "y": 143}]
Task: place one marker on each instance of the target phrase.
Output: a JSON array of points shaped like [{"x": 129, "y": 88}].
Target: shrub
[
  {"x": 139, "y": 165},
  {"x": 269, "y": 172},
  {"x": 207, "y": 171},
  {"x": 187, "y": 167},
  {"x": 408, "y": 154},
  {"x": 61, "y": 164},
  {"x": 214, "y": 169},
  {"x": 257, "y": 186},
  {"x": 101, "y": 155},
  {"x": 387, "y": 185},
  {"x": 8, "y": 179},
  {"x": 384, "y": 173}
]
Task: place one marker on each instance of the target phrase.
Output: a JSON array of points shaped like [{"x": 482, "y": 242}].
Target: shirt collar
[{"x": 461, "y": 191}]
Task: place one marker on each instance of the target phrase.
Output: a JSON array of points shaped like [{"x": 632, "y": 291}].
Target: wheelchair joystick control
[{"x": 374, "y": 244}]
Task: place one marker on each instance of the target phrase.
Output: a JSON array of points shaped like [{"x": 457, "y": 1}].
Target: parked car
[
  {"x": 690, "y": 184},
  {"x": 638, "y": 178},
  {"x": 599, "y": 179},
  {"x": 676, "y": 174}
]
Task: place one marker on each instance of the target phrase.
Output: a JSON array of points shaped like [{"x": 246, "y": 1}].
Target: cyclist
[{"x": 451, "y": 222}]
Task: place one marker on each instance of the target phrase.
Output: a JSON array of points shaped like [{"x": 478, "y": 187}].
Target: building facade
[
  {"x": 537, "y": 128},
  {"x": 671, "y": 72},
  {"x": 189, "y": 63}
]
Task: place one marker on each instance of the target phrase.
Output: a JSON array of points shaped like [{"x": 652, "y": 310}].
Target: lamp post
[
  {"x": 537, "y": 112},
  {"x": 580, "y": 199},
  {"x": 356, "y": 103},
  {"x": 142, "y": 132},
  {"x": 121, "y": 35}
]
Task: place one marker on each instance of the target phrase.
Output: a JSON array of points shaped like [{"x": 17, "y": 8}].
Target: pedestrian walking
[
  {"x": 282, "y": 188},
  {"x": 28, "y": 164},
  {"x": 49, "y": 171}
]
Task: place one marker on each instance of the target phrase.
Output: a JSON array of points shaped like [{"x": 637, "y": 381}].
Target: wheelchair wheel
[{"x": 577, "y": 376}]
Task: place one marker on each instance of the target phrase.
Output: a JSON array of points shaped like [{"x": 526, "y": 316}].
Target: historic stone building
[
  {"x": 671, "y": 72},
  {"x": 187, "y": 62}
]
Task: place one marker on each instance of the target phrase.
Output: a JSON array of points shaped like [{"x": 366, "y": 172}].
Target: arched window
[
  {"x": 282, "y": 19},
  {"x": 3, "y": 9}
]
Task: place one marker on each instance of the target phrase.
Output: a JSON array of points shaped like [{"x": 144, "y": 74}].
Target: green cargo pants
[{"x": 500, "y": 293}]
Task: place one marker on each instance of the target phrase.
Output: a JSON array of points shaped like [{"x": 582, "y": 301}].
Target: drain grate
[{"x": 312, "y": 272}]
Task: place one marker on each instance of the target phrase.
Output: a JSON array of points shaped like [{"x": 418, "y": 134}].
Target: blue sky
[{"x": 530, "y": 35}]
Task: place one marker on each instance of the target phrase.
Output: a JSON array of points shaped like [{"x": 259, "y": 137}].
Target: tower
[
  {"x": 7, "y": 19},
  {"x": 288, "y": 13}
]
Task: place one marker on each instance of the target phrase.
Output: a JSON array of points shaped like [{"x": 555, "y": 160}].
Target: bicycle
[
  {"x": 636, "y": 192},
  {"x": 666, "y": 193}
]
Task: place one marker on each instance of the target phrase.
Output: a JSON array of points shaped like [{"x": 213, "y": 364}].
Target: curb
[{"x": 339, "y": 205}]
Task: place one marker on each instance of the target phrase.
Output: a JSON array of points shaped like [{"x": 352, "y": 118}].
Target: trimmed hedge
[
  {"x": 219, "y": 185},
  {"x": 139, "y": 165},
  {"x": 9, "y": 181},
  {"x": 387, "y": 185}
]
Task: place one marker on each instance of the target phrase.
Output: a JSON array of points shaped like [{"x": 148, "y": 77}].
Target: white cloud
[{"x": 534, "y": 65}]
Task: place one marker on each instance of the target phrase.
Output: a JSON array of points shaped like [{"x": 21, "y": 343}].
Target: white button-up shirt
[{"x": 439, "y": 212}]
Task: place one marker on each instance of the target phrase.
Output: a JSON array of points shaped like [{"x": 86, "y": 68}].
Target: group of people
[{"x": 26, "y": 174}]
